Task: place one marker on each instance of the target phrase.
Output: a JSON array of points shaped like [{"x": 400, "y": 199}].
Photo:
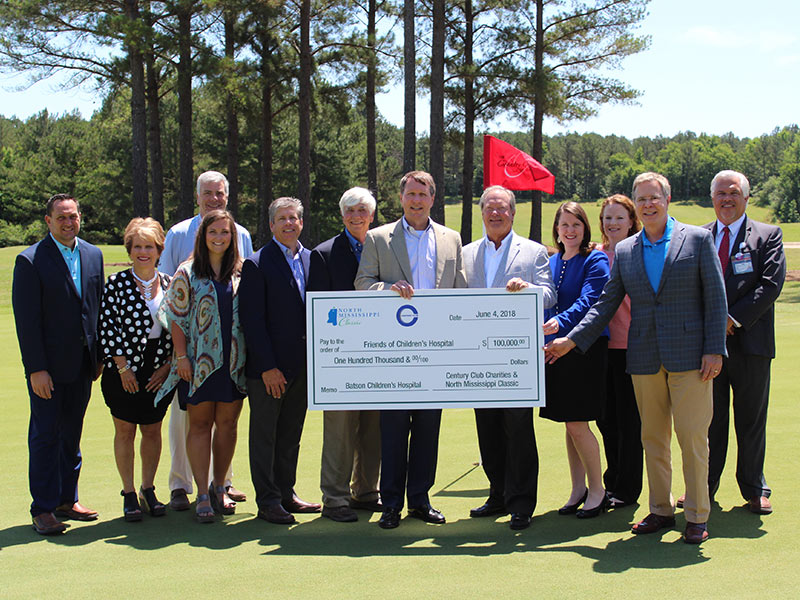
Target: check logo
[{"x": 407, "y": 315}]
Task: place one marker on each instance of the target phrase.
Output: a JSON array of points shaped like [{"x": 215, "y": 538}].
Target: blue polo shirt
[{"x": 655, "y": 253}]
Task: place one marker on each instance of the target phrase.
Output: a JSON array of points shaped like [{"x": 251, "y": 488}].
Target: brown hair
[
  {"x": 576, "y": 211},
  {"x": 420, "y": 177},
  {"x": 627, "y": 203},
  {"x": 148, "y": 229},
  {"x": 231, "y": 261}
]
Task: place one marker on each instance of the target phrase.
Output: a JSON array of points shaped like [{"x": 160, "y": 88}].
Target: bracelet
[
  {"x": 181, "y": 357},
  {"x": 125, "y": 368}
]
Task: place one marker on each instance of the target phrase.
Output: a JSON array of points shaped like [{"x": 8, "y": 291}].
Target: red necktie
[{"x": 725, "y": 249}]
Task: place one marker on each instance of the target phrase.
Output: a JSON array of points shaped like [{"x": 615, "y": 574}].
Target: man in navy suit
[
  {"x": 58, "y": 283},
  {"x": 272, "y": 311},
  {"x": 676, "y": 342},
  {"x": 754, "y": 270},
  {"x": 351, "y": 439}
]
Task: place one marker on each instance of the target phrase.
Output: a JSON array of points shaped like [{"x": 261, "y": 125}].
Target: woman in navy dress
[{"x": 576, "y": 388}]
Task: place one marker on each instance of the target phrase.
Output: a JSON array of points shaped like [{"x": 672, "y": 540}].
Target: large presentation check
[{"x": 442, "y": 349}]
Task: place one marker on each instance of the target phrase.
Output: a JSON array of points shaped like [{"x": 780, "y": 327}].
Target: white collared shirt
[
  {"x": 421, "y": 247},
  {"x": 734, "y": 231},
  {"x": 493, "y": 258}
]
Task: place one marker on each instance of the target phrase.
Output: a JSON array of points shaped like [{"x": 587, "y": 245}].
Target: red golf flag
[{"x": 512, "y": 168}]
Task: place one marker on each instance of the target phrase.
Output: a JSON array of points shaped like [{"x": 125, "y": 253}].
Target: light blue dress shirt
[
  {"x": 296, "y": 265},
  {"x": 72, "y": 257},
  {"x": 421, "y": 247}
]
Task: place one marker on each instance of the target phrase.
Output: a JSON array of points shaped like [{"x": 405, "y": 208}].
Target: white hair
[
  {"x": 743, "y": 183},
  {"x": 211, "y": 177},
  {"x": 355, "y": 196}
]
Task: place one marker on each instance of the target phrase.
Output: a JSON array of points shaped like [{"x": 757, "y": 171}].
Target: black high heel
[
  {"x": 590, "y": 513},
  {"x": 130, "y": 507},
  {"x": 571, "y": 509},
  {"x": 148, "y": 500}
]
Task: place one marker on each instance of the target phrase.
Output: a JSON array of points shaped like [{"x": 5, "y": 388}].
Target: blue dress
[{"x": 575, "y": 384}]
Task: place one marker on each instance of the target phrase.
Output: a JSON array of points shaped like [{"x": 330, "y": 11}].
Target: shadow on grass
[{"x": 314, "y": 535}]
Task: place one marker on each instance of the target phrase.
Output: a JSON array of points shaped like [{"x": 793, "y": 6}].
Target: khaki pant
[{"x": 686, "y": 400}]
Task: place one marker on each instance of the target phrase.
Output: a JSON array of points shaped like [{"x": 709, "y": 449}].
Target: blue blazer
[
  {"x": 675, "y": 325},
  {"x": 54, "y": 324},
  {"x": 333, "y": 265},
  {"x": 272, "y": 313}
]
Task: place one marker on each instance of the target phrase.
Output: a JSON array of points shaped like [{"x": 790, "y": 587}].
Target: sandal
[
  {"x": 220, "y": 500},
  {"x": 148, "y": 500},
  {"x": 130, "y": 507},
  {"x": 204, "y": 514}
]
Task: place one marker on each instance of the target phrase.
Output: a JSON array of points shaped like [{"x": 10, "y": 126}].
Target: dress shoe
[
  {"x": 371, "y": 505},
  {"x": 76, "y": 512},
  {"x": 295, "y": 505},
  {"x": 179, "y": 500},
  {"x": 652, "y": 523},
  {"x": 47, "y": 524},
  {"x": 488, "y": 509},
  {"x": 519, "y": 521},
  {"x": 695, "y": 533},
  {"x": 276, "y": 514},
  {"x": 427, "y": 514},
  {"x": 679, "y": 502},
  {"x": 614, "y": 502},
  {"x": 389, "y": 519},
  {"x": 571, "y": 509},
  {"x": 590, "y": 513},
  {"x": 340, "y": 514},
  {"x": 759, "y": 506},
  {"x": 235, "y": 495}
]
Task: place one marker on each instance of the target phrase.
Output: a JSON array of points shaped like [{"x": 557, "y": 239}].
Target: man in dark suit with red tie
[
  {"x": 58, "y": 283},
  {"x": 272, "y": 311},
  {"x": 754, "y": 268}
]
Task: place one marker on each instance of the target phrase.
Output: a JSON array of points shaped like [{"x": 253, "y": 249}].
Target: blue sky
[{"x": 714, "y": 66}]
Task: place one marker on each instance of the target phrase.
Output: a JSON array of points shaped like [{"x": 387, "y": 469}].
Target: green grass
[{"x": 242, "y": 557}]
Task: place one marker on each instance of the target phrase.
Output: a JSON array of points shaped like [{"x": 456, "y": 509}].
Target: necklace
[{"x": 146, "y": 286}]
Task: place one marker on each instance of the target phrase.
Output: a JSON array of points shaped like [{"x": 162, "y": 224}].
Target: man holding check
[{"x": 412, "y": 253}]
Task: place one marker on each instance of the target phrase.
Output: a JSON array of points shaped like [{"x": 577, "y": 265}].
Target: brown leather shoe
[
  {"x": 759, "y": 506},
  {"x": 295, "y": 505},
  {"x": 695, "y": 533},
  {"x": 652, "y": 523},
  {"x": 236, "y": 495},
  {"x": 680, "y": 501},
  {"x": 179, "y": 500},
  {"x": 276, "y": 514},
  {"x": 47, "y": 524},
  {"x": 76, "y": 512}
]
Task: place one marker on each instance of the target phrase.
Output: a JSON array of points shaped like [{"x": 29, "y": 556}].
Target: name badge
[{"x": 742, "y": 263}]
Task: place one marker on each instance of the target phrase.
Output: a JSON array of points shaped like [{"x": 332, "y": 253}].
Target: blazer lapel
[
  {"x": 478, "y": 268},
  {"x": 438, "y": 233},
  {"x": 61, "y": 265},
  {"x": 280, "y": 261},
  {"x": 675, "y": 245},
  {"x": 83, "y": 250},
  {"x": 637, "y": 256},
  {"x": 397, "y": 242}
]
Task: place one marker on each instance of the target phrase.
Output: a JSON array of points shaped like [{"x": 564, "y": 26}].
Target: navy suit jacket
[
  {"x": 272, "y": 313},
  {"x": 53, "y": 322},
  {"x": 751, "y": 296},
  {"x": 675, "y": 325},
  {"x": 333, "y": 265}
]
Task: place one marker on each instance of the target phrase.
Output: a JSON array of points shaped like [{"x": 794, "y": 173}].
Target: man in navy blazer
[
  {"x": 754, "y": 272},
  {"x": 58, "y": 284},
  {"x": 273, "y": 315},
  {"x": 351, "y": 439},
  {"x": 676, "y": 342}
]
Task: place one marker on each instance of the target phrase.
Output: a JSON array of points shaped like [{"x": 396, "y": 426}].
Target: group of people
[{"x": 200, "y": 321}]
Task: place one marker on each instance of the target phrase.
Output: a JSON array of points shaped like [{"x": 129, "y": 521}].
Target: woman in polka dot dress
[{"x": 137, "y": 351}]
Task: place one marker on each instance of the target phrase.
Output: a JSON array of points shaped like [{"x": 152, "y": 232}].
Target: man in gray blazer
[
  {"x": 505, "y": 435},
  {"x": 754, "y": 270},
  {"x": 676, "y": 343},
  {"x": 412, "y": 253}
]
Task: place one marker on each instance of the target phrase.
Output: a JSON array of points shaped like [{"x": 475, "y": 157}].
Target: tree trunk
[
  {"x": 469, "y": 128},
  {"x": 265, "y": 175},
  {"x": 538, "y": 118},
  {"x": 231, "y": 116},
  {"x": 437, "y": 109},
  {"x": 141, "y": 206},
  {"x": 154, "y": 130},
  {"x": 372, "y": 67},
  {"x": 410, "y": 81},
  {"x": 304, "y": 109},
  {"x": 186, "y": 165}
]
